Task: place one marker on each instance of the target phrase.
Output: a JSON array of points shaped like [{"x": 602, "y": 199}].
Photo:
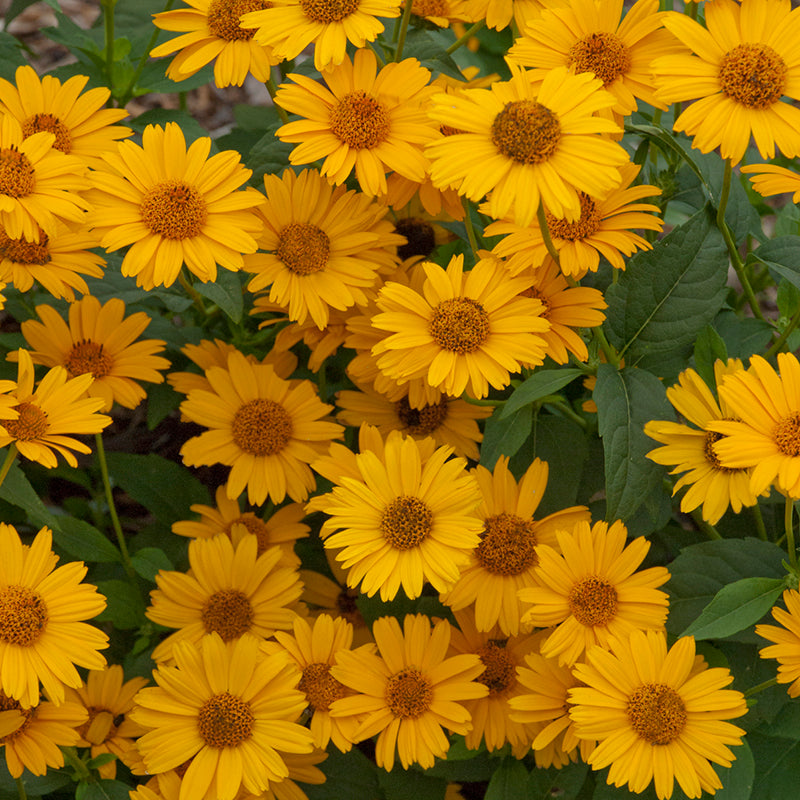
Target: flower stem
[
  {"x": 759, "y": 520},
  {"x": 273, "y": 90},
  {"x": 778, "y": 344},
  {"x": 473, "y": 240},
  {"x": 23, "y": 795},
  {"x": 612, "y": 357},
  {"x": 401, "y": 39},
  {"x": 108, "y": 25},
  {"x": 193, "y": 293},
  {"x": 466, "y": 37},
  {"x": 761, "y": 686},
  {"x": 11, "y": 456},
  {"x": 788, "y": 521},
  {"x": 541, "y": 218},
  {"x": 708, "y": 530}
]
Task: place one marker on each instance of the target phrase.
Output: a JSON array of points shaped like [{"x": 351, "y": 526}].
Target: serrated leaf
[
  {"x": 125, "y": 608},
  {"x": 84, "y": 541},
  {"x": 226, "y": 292},
  {"x": 509, "y": 782},
  {"x": 149, "y": 561},
  {"x": 735, "y": 607},
  {"x": 627, "y": 399},
  {"x": 17, "y": 490},
  {"x": 540, "y": 384},
  {"x": 503, "y": 437}
]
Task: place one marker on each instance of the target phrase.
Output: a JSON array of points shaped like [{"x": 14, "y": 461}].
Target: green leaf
[
  {"x": 742, "y": 336},
  {"x": 464, "y": 765},
  {"x": 540, "y": 384},
  {"x": 17, "y": 490},
  {"x": 564, "y": 783},
  {"x": 667, "y": 295},
  {"x": 125, "y": 608},
  {"x": 101, "y": 760},
  {"x": 349, "y": 775},
  {"x": 161, "y": 116},
  {"x": 226, "y": 292},
  {"x": 36, "y": 785},
  {"x": 782, "y": 257},
  {"x": 627, "y": 399},
  {"x": 161, "y": 400},
  {"x": 401, "y": 784},
  {"x": 102, "y": 790},
  {"x": 738, "y": 779},
  {"x": 503, "y": 437},
  {"x": 268, "y": 156},
  {"x": 787, "y": 220},
  {"x": 776, "y": 766},
  {"x": 509, "y": 782},
  {"x": 10, "y": 55},
  {"x": 84, "y": 541},
  {"x": 708, "y": 347},
  {"x": 735, "y": 607},
  {"x": 149, "y": 560}
]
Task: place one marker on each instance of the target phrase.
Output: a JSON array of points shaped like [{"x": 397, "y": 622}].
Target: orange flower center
[
  {"x": 255, "y": 526},
  {"x": 460, "y": 325},
  {"x": 787, "y": 435},
  {"x": 262, "y": 427},
  {"x": 87, "y": 356},
  {"x": 421, "y": 421},
  {"x": 30, "y": 425},
  {"x": 753, "y": 75},
  {"x": 9, "y": 704},
  {"x": 225, "y": 720},
  {"x": 501, "y": 671},
  {"x": 229, "y": 613},
  {"x": 47, "y": 122},
  {"x": 430, "y": 8},
  {"x": 593, "y": 601},
  {"x": 21, "y": 252},
  {"x": 526, "y": 131},
  {"x": 326, "y": 11},
  {"x": 224, "y": 17},
  {"x": 508, "y": 545},
  {"x": 406, "y": 522},
  {"x": 303, "y": 248},
  {"x": 359, "y": 120},
  {"x": 449, "y": 130},
  {"x": 657, "y": 713},
  {"x": 409, "y": 694},
  {"x": 17, "y": 176},
  {"x": 174, "y": 209},
  {"x": 712, "y": 437},
  {"x": 604, "y": 54},
  {"x": 319, "y": 686},
  {"x": 23, "y": 615},
  {"x": 420, "y": 236},
  {"x": 582, "y": 228}
]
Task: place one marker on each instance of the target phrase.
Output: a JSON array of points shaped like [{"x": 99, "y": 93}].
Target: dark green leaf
[
  {"x": 782, "y": 256},
  {"x": 161, "y": 116},
  {"x": 149, "y": 560},
  {"x": 268, "y": 156},
  {"x": 787, "y": 220},
  {"x": 742, "y": 336},
  {"x": 541, "y": 383},
  {"x": 564, "y": 783},
  {"x": 101, "y": 760},
  {"x": 84, "y": 541},
  {"x": 226, "y": 292},
  {"x": 738, "y": 779},
  {"x": 464, "y": 765},
  {"x": 125, "y": 607},
  {"x": 103, "y": 790},
  {"x": 161, "y": 400},
  {"x": 776, "y": 766},
  {"x": 10, "y": 55},
  {"x": 503, "y": 437},
  {"x": 509, "y": 782},
  {"x": 401, "y": 784},
  {"x": 34, "y": 784},
  {"x": 17, "y": 490},
  {"x": 708, "y": 347},
  {"x": 349, "y": 775},
  {"x": 154, "y": 79}
]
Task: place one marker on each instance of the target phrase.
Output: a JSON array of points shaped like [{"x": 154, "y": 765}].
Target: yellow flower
[
  {"x": 657, "y": 716},
  {"x": 786, "y": 641},
  {"x": 322, "y": 342},
  {"x": 42, "y": 608},
  {"x": 743, "y": 67},
  {"x": 770, "y": 179},
  {"x": 212, "y": 31},
  {"x": 174, "y": 206}
]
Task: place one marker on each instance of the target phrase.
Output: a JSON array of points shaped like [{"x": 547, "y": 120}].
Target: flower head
[{"x": 785, "y": 640}]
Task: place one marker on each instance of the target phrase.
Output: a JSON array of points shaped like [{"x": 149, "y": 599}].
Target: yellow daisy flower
[
  {"x": 528, "y": 144},
  {"x": 744, "y": 65},
  {"x": 592, "y": 591},
  {"x": 770, "y": 179},
  {"x": 49, "y": 416},
  {"x": 229, "y": 591},
  {"x": 692, "y": 449},
  {"x": 366, "y": 119},
  {"x": 786, "y": 641},
  {"x": 227, "y": 712},
  {"x": 322, "y": 342},
  {"x": 82, "y": 126},
  {"x": 408, "y": 692},
  {"x": 324, "y": 246},
  {"x": 505, "y": 560},
  {"x": 42, "y": 608},
  {"x": 266, "y": 429},
  {"x": 212, "y": 31},
  {"x": 174, "y": 206},
  {"x": 656, "y": 716}
]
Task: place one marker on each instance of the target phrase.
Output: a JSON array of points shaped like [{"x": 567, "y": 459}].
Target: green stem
[
  {"x": 778, "y": 344},
  {"x": 401, "y": 39},
  {"x": 693, "y": 10},
  {"x": 473, "y": 240},
  {"x": 11, "y": 456},
  {"x": 193, "y": 293},
  {"x": 761, "y": 686},
  {"x": 612, "y": 357},
  {"x": 759, "y": 520},
  {"x": 708, "y": 530},
  {"x": 23, "y": 795},
  {"x": 541, "y": 218},
  {"x": 273, "y": 90},
  {"x": 788, "y": 522},
  {"x": 79, "y": 768},
  {"x": 466, "y": 37},
  {"x": 108, "y": 20},
  {"x": 474, "y": 401},
  {"x": 564, "y": 407},
  {"x": 378, "y": 56}
]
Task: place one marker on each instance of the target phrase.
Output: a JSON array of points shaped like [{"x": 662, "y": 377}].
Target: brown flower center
[
  {"x": 229, "y": 613},
  {"x": 430, "y": 8},
  {"x": 604, "y": 54},
  {"x": 420, "y": 236},
  {"x": 319, "y": 686},
  {"x": 526, "y": 131},
  {"x": 406, "y": 522},
  {"x": 174, "y": 209},
  {"x": 657, "y": 713},
  {"x": 508, "y": 545},
  {"x": 303, "y": 248},
  {"x": 449, "y": 130},
  {"x": 30, "y": 425},
  {"x": 17, "y": 178},
  {"x": 21, "y": 252},
  {"x": 87, "y": 356},
  {"x": 224, "y": 18},
  {"x": 460, "y": 325},
  {"x": 753, "y": 75},
  {"x": 9, "y": 704},
  {"x": 501, "y": 671},
  {"x": 255, "y": 526},
  {"x": 593, "y": 601},
  {"x": 712, "y": 437},
  {"x": 23, "y": 615},
  {"x": 421, "y": 421},
  {"x": 347, "y": 607},
  {"x": 409, "y": 694},
  {"x": 262, "y": 427},
  {"x": 582, "y": 228},
  {"x": 359, "y": 120},
  {"x": 225, "y": 721},
  {"x": 787, "y": 435},
  {"x": 47, "y": 122},
  {"x": 326, "y": 11}
]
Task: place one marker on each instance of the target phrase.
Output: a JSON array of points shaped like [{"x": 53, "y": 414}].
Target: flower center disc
[
  {"x": 262, "y": 427},
  {"x": 657, "y": 713},
  {"x": 593, "y": 601},
  {"x": 255, "y": 526},
  {"x": 604, "y": 54},
  {"x": 507, "y": 546},
  {"x": 47, "y": 122},
  {"x": 500, "y": 672},
  {"x": 21, "y": 252},
  {"x": 16, "y": 173},
  {"x": 319, "y": 686},
  {"x": 303, "y": 248},
  {"x": 406, "y": 522},
  {"x": 585, "y": 226},
  {"x": 31, "y": 423},
  {"x": 87, "y": 356},
  {"x": 459, "y": 325},
  {"x": 409, "y": 694},
  {"x": 420, "y": 235},
  {"x": 787, "y": 435},
  {"x": 326, "y": 11},
  {"x": 421, "y": 421},
  {"x": 712, "y": 437},
  {"x": 224, "y": 18},
  {"x": 431, "y": 8},
  {"x": 225, "y": 721},
  {"x": 174, "y": 209},
  {"x": 23, "y": 615},
  {"x": 526, "y": 131},
  {"x": 229, "y": 613},
  {"x": 753, "y": 75},
  {"x": 359, "y": 120}
]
